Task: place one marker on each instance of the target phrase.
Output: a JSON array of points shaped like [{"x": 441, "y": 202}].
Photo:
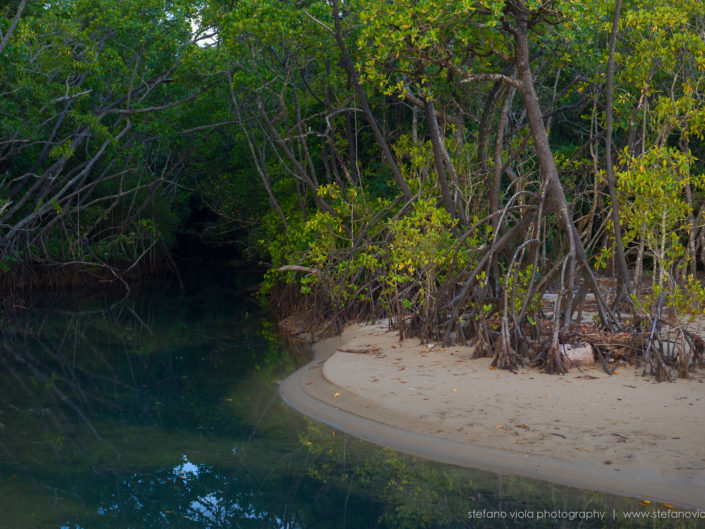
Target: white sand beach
[{"x": 624, "y": 434}]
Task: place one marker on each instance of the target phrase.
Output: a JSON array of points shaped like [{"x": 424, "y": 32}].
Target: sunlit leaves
[
  {"x": 417, "y": 41},
  {"x": 652, "y": 199}
]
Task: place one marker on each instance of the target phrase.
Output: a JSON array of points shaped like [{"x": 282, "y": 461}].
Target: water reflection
[{"x": 163, "y": 411}]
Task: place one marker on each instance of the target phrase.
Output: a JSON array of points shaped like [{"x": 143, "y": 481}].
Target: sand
[{"x": 623, "y": 434}]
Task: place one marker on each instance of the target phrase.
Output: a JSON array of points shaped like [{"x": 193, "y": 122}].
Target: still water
[{"x": 162, "y": 410}]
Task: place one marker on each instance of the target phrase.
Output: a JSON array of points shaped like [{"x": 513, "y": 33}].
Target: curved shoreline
[{"x": 311, "y": 393}]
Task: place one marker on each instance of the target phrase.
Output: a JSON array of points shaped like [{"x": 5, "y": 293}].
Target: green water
[{"x": 162, "y": 411}]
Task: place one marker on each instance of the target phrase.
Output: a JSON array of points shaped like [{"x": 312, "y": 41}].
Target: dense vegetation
[{"x": 442, "y": 163}]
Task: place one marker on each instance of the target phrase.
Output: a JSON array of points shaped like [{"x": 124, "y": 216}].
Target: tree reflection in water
[{"x": 163, "y": 411}]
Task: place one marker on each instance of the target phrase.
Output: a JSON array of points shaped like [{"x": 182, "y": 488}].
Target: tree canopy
[{"x": 444, "y": 164}]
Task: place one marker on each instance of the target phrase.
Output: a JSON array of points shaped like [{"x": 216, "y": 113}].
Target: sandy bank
[{"x": 624, "y": 434}]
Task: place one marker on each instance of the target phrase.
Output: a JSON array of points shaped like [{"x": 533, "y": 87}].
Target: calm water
[{"x": 162, "y": 411}]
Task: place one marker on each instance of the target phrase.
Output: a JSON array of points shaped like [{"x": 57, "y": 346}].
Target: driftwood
[
  {"x": 298, "y": 268},
  {"x": 360, "y": 351}
]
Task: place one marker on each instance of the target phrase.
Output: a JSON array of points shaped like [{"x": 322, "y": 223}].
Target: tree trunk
[
  {"x": 483, "y": 142},
  {"x": 259, "y": 161},
  {"x": 437, "y": 154},
  {"x": 555, "y": 199},
  {"x": 351, "y": 133},
  {"x": 495, "y": 189},
  {"x": 355, "y": 79},
  {"x": 624, "y": 286},
  {"x": 639, "y": 267},
  {"x": 692, "y": 225}
]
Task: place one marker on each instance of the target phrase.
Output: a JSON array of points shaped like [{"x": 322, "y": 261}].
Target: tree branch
[{"x": 13, "y": 25}]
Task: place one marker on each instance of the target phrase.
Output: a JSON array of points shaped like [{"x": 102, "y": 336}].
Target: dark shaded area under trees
[{"x": 443, "y": 164}]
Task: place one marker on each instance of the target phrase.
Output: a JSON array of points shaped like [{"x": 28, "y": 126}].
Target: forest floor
[{"x": 626, "y": 433}]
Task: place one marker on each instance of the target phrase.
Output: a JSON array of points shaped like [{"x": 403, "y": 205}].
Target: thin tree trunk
[
  {"x": 415, "y": 124},
  {"x": 624, "y": 281},
  {"x": 483, "y": 140},
  {"x": 260, "y": 162},
  {"x": 662, "y": 271},
  {"x": 632, "y": 131},
  {"x": 700, "y": 218},
  {"x": 692, "y": 226},
  {"x": 299, "y": 169},
  {"x": 437, "y": 155},
  {"x": 639, "y": 266},
  {"x": 355, "y": 79},
  {"x": 350, "y": 132},
  {"x": 495, "y": 189}
]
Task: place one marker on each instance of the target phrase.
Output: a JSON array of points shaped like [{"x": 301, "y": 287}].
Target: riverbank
[
  {"x": 22, "y": 283},
  {"x": 623, "y": 434}
]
